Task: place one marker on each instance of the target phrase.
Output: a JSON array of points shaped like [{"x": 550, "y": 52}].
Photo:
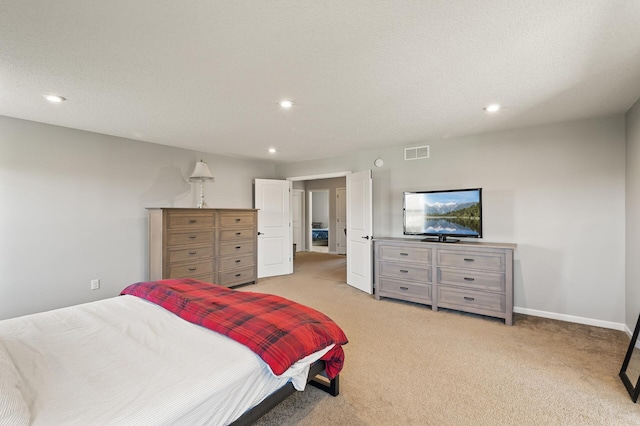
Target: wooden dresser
[
  {"x": 213, "y": 245},
  {"x": 473, "y": 277}
]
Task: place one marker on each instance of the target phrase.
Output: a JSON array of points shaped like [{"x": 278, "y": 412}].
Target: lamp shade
[{"x": 201, "y": 172}]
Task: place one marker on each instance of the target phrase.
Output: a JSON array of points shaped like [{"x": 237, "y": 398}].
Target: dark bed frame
[{"x": 315, "y": 378}]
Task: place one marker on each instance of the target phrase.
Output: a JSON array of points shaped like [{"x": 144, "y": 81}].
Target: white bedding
[{"x": 125, "y": 361}]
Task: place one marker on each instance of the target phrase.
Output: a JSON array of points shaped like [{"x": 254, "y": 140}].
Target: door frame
[
  {"x": 343, "y": 237},
  {"x": 322, "y": 176},
  {"x": 315, "y": 177},
  {"x": 303, "y": 218}
]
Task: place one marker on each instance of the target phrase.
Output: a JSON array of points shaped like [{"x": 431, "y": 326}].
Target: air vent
[{"x": 416, "y": 153}]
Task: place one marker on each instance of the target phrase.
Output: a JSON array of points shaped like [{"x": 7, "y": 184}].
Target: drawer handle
[
  {"x": 238, "y": 275},
  {"x": 238, "y": 233},
  {"x": 238, "y": 219},
  {"x": 467, "y": 259},
  {"x": 470, "y": 299},
  {"x": 404, "y": 271},
  {"x": 404, "y": 288},
  {"x": 193, "y": 237},
  {"x": 193, "y": 220},
  {"x": 193, "y": 268},
  {"x": 469, "y": 279},
  {"x": 404, "y": 254},
  {"x": 238, "y": 261},
  {"x": 238, "y": 247},
  {"x": 192, "y": 252}
]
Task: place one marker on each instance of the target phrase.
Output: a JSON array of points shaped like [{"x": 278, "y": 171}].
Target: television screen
[{"x": 450, "y": 213}]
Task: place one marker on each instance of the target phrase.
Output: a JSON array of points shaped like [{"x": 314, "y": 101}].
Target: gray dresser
[
  {"x": 473, "y": 277},
  {"x": 212, "y": 245}
]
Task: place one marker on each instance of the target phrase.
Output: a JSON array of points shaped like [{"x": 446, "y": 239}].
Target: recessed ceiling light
[
  {"x": 492, "y": 108},
  {"x": 286, "y": 104},
  {"x": 54, "y": 98},
  {"x": 272, "y": 150}
]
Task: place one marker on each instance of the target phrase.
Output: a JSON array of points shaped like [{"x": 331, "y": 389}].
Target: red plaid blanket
[{"x": 279, "y": 330}]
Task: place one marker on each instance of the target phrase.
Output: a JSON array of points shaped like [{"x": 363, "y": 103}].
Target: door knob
[{"x": 366, "y": 238}]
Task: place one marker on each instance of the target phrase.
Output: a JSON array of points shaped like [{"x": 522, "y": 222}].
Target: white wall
[
  {"x": 556, "y": 191},
  {"x": 72, "y": 208},
  {"x": 632, "y": 293}
]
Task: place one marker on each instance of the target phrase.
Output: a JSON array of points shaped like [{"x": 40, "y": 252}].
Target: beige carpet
[{"x": 408, "y": 365}]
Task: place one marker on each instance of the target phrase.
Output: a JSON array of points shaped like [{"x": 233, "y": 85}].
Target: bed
[
  {"x": 130, "y": 360},
  {"x": 320, "y": 234}
]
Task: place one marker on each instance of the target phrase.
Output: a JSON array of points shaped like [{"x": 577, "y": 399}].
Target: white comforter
[{"x": 124, "y": 361}]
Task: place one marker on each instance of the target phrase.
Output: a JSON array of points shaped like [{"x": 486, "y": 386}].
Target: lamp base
[{"x": 201, "y": 203}]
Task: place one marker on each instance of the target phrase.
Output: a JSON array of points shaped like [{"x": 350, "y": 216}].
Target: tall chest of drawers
[
  {"x": 470, "y": 277},
  {"x": 213, "y": 245}
]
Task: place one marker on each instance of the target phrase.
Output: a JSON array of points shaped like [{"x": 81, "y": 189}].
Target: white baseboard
[
  {"x": 630, "y": 333},
  {"x": 571, "y": 318}
]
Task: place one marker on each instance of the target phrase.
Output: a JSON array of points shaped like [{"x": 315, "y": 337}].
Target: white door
[
  {"x": 275, "y": 242},
  {"x": 297, "y": 213},
  {"x": 341, "y": 220},
  {"x": 359, "y": 230}
]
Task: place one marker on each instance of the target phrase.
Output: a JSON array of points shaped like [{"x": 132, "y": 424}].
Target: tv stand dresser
[{"x": 474, "y": 277}]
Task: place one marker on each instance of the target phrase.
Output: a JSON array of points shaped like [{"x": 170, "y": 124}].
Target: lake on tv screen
[{"x": 444, "y": 226}]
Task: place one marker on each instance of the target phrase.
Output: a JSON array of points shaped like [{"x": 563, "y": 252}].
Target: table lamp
[{"x": 201, "y": 174}]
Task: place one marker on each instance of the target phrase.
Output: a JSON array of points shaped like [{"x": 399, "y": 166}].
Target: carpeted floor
[{"x": 408, "y": 365}]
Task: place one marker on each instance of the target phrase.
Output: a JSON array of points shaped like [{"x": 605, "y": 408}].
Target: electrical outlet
[{"x": 95, "y": 284}]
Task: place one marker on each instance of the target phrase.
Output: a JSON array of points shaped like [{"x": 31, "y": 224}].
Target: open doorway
[
  {"x": 319, "y": 218},
  {"x": 322, "y": 192},
  {"x": 357, "y": 223},
  {"x": 321, "y": 225},
  {"x": 319, "y": 214}
]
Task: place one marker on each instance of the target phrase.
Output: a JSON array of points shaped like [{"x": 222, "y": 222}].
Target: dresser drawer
[
  {"x": 191, "y": 253},
  {"x": 404, "y": 290},
  {"x": 472, "y": 279},
  {"x": 190, "y": 220},
  {"x": 178, "y": 238},
  {"x": 420, "y": 255},
  {"x": 469, "y": 300},
  {"x": 190, "y": 269},
  {"x": 239, "y": 247},
  {"x": 237, "y": 276},
  {"x": 404, "y": 271},
  {"x": 207, "y": 278},
  {"x": 472, "y": 260},
  {"x": 236, "y": 234},
  {"x": 237, "y": 262},
  {"x": 237, "y": 219}
]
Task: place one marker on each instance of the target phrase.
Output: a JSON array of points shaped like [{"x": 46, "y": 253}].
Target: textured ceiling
[{"x": 208, "y": 74}]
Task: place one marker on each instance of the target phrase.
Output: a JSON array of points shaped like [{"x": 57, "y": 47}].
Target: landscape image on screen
[{"x": 448, "y": 213}]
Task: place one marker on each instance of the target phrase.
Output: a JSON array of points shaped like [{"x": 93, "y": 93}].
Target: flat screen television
[{"x": 443, "y": 214}]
